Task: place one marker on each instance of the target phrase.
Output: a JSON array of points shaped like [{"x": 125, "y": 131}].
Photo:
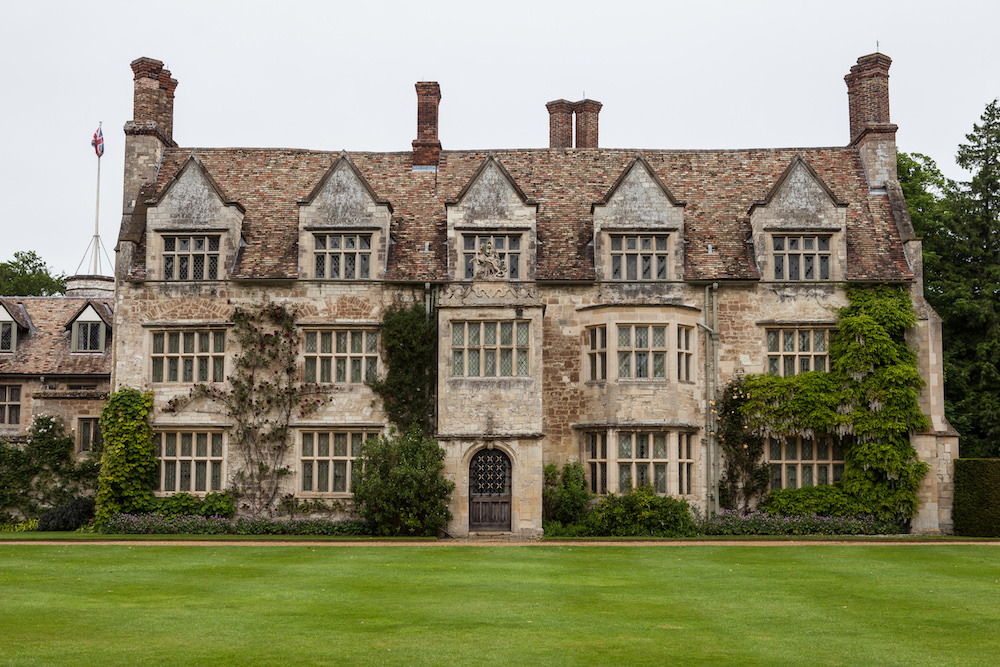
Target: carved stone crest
[{"x": 487, "y": 264}]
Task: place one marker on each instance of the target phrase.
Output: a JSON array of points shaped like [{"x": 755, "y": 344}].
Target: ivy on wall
[
  {"x": 869, "y": 398},
  {"x": 128, "y": 465},
  {"x": 262, "y": 395},
  {"x": 409, "y": 338}
]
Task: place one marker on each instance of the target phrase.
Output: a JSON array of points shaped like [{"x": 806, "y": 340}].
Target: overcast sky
[{"x": 339, "y": 75}]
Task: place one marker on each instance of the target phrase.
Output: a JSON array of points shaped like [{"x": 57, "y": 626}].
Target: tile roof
[
  {"x": 46, "y": 347},
  {"x": 718, "y": 186}
]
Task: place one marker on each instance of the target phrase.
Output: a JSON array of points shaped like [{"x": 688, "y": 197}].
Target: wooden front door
[{"x": 489, "y": 491}]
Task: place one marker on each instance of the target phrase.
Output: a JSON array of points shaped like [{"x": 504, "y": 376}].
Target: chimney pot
[
  {"x": 560, "y": 123},
  {"x": 586, "y": 123},
  {"x": 868, "y": 93},
  {"x": 427, "y": 147}
]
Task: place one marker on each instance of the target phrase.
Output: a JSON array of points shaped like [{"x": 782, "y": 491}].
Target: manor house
[{"x": 590, "y": 301}]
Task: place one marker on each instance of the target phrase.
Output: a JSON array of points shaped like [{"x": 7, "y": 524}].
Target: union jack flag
[{"x": 98, "y": 142}]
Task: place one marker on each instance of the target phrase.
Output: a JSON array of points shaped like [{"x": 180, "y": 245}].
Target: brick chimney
[
  {"x": 586, "y": 123},
  {"x": 427, "y": 147},
  {"x": 154, "y": 97},
  {"x": 868, "y": 93},
  {"x": 560, "y": 123},
  {"x": 871, "y": 131}
]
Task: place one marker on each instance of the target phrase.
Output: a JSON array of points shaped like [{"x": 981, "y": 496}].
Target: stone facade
[{"x": 590, "y": 302}]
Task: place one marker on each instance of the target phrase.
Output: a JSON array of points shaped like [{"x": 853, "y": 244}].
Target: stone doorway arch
[{"x": 489, "y": 491}]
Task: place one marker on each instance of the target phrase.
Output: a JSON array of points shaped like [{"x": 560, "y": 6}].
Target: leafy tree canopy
[
  {"x": 27, "y": 275},
  {"x": 960, "y": 226}
]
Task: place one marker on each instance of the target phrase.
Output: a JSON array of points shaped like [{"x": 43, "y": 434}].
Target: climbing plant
[
  {"x": 128, "y": 465},
  {"x": 409, "y": 338},
  {"x": 869, "y": 399},
  {"x": 262, "y": 395},
  {"x": 744, "y": 475}
]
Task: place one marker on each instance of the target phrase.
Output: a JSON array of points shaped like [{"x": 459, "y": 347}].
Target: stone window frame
[
  {"x": 793, "y": 254},
  {"x": 785, "y": 351},
  {"x": 467, "y": 346},
  {"x": 89, "y": 437},
  {"x": 797, "y": 461},
  {"x": 181, "y": 458},
  {"x": 663, "y": 457},
  {"x": 479, "y": 237},
  {"x": 162, "y": 352},
  {"x": 173, "y": 255},
  {"x": 10, "y": 404},
  {"x": 88, "y": 337},
  {"x": 623, "y": 246},
  {"x": 354, "y": 248},
  {"x": 635, "y": 355},
  {"x": 597, "y": 353},
  {"x": 685, "y": 353},
  {"x": 320, "y": 460},
  {"x": 323, "y": 364}
]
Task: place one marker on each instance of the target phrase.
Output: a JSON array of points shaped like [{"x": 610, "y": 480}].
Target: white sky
[{"x": 339, "y": 75}]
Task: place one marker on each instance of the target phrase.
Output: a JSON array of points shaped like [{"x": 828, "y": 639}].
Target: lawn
[{"x": 222, "y": 604}]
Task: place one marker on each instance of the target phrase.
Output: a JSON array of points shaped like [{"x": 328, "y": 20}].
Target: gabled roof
[
  {"x": 344, "y": 160},
  {"x": 16, "y": 312},
  {"x": 491, "y": 160},
  {"x": 718, "y": 187},
  {"x": 638, "y": 161},
  {"x": 46, "y": 348},
  {"x": 798, "y": 162},
  {"x": 194, "y": 163}
]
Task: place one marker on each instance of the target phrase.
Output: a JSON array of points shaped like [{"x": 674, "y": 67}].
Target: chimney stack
[
  {"x": 868, "y": 94},
  {"x": 586, "y": 123},
  {"x": 153, "y": 106},
  {"x": 560, "y": 123},
  {"x": 427, "y": 147},
  {"x": 561, "y": 117}
]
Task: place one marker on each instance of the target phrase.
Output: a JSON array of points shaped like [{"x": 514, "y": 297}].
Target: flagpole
[{"x": 97, "y": 214}]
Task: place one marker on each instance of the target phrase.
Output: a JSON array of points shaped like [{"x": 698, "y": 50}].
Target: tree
[
  {"x": 400, "y": 488},
  {"x": 960, "y": 226},
  {"x": 27, "y": 275}
]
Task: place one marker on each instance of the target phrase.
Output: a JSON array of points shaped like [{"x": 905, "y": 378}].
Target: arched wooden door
[{"x": 489, "y": 491}]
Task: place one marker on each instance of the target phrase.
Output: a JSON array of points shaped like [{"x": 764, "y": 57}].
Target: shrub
[
  {"x": 564, "y": 495},
  {"x": 212, "y": 504},
  {"x": 640, "y": 513},
  {"x": 821, "y": 500},
  {"x": 977, "y": 497},
  {"x": 399, "y": 488},
  {"x": 19, "y": 526},
  {"x": 68, "y": 516},
  {"x": 732, "y": 522},
  {"x": 187, "y": 524}
]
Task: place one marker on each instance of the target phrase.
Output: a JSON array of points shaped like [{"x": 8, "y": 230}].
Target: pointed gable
[
  {"x": 638, "y": 213},
  {"x": 800, "y": 209},
  {"x": 192, "y": 200},
  {"x": 343, "y": 227},
  {"x": 492, "y": 212}
]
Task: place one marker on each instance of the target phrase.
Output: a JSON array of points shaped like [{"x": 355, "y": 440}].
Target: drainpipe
[{"x": 712, "y": 465}]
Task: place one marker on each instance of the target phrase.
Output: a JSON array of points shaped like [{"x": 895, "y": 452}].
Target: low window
[
  {"x": 189, "y": 356},
  {"x": 597, "y": 352},
  {"x": 801, "y": 257},
  {"x": 642, "y": 352},
  {"x": 343, "y": 256},
  {"x": 638, "y": 256},
  {"x": 597, "y": 461},
  {"x": 190, "y": 257},
  {"x": 90, "y": 436},
  {"x": 340, "y": 357},
  {"x": 8, "y": 336},
  {"x": 797, "y": 462},
  {"x": 327, "y": 459},
  {"x": 685, "y": 463},
  {"x": 642, "y": 461},
  {"x": 490, "y": 349},
  {"x": 492, "y": 256},
  {"x": 10, "y": 404},
  {"x": 793, "y": 351},
  {"x": 663, "y": 460},
  {"x": 189, "y": 461}
]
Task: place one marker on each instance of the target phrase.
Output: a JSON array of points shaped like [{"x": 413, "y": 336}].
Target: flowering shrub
[
  {"x": 731, "y": 522},
  {"x": 186, "y": 524}
]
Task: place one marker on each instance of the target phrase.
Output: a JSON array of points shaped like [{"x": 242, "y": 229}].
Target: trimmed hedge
[
  {"x": 732, "y": 522},
  {"x": 977, "y": 497},
  {"x": 185, "y": 524},
  {"x": 69, "y": 516},
  {"x": 821, "y": 500}
]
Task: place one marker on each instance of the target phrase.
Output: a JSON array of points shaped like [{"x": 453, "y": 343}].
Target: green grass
[{"x": 219, "y": 604}]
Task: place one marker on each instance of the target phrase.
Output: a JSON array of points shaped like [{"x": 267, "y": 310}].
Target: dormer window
[
  {"x": 343, "y": 256},
  {"x": 496, "y": 256},
  {"x": 8, "y": 337},
  {"x": 89, "y": 332},
  {"x": 639, "y": 256},
  {"x": 191, "y": 257}
]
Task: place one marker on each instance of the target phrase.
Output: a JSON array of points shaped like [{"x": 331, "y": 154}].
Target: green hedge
[{"x": 977, "y": 497}]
